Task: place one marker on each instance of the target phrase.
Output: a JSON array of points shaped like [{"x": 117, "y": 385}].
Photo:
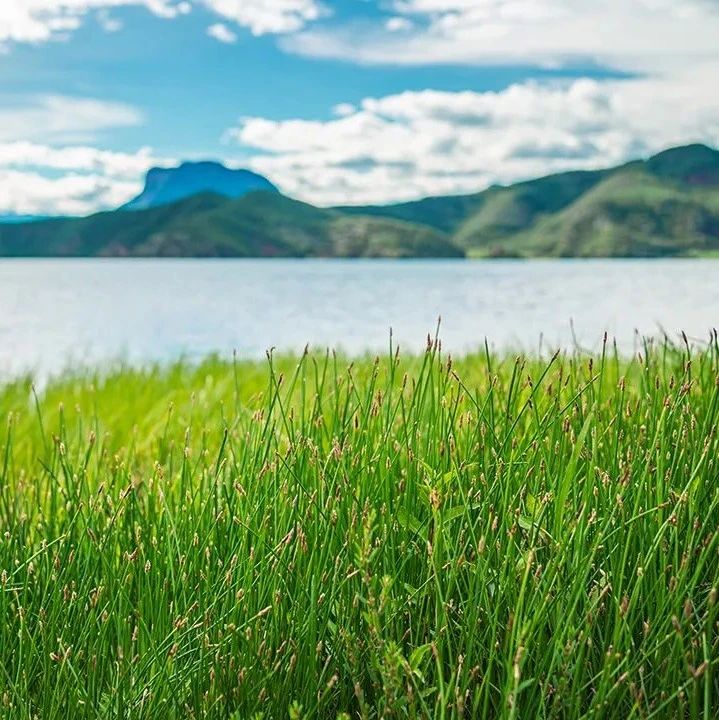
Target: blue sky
[{"x": 343, "y": 101}]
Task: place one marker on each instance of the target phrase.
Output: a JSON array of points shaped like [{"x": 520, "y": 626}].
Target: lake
[{"x": 57, "y": 312}]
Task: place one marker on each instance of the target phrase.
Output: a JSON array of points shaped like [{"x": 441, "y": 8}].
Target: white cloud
[
  {"x": 221, "y": 32},
  {"x": 108, "y": 23},
  {"x": 344, "y": 109},
  {"x": 43, "y": 169},
  {"x": 416, "y": 144},
  {"x": 633, "y": 33},
  {"x": 42, "y": 180},
  {"x": 43, "y": 20},
  {"x": 38, "y": 179},
  {"x": 61, "y": 118},
  {"x": 118, "y": 165},
  {"x": 398, "y": 24},
  {"x": 37, "y": 21},
  {"x": 268, "y": 16},
  {"x": 31, "y": 193}
]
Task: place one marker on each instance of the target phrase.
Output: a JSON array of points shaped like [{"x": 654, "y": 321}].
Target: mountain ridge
[
  {"x": 666, "y": 205},
  {"x": 531, "y": 218},
  {"x": 258, "y": 224}
]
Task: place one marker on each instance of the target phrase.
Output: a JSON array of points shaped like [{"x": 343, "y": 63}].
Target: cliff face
[{"x": 168, "y": 185}]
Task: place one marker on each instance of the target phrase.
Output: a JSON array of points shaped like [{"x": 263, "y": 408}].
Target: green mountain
[
  {"x": 667, "y": 205},
  {"x": 630, "y": 214},
  {"x": 259, "y": 224}
]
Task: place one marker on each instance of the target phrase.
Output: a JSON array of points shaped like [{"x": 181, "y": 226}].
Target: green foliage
[{"x": 402, "y": 538}]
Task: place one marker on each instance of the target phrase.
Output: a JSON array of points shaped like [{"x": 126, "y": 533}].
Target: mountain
[
  {"x": 631, "y": 214},
  {"x": 667, "y": 205},
  {"x": 259, "y": 224},
  {"x": 168, "y": 185},
  {"x": 694, "y": 165}
]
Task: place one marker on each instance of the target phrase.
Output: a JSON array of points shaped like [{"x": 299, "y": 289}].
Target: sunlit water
[{"x": 57, "y": 312}]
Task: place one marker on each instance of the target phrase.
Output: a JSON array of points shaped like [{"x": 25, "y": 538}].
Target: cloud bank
[
  {"x": 38, "y": 179},
  {"x": 44, "y": 170},
  {"x": 631, "y": 34},
  {"x": 38, "y": 21},
  {"x": 62, "y": 118},
  {"x": 415, "y": 144},
  {"x": 268, "y": 16}
]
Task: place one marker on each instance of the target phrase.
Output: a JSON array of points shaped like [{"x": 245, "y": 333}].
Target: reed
[{"x": 494, "y": 537}]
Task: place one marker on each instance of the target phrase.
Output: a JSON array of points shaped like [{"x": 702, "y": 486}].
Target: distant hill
[
  {"x": 630, "y": 214},
  {"x": 259, "y": 224},
  {"x": 667, "y": 205},
  {"x": 168, "y": 185}
]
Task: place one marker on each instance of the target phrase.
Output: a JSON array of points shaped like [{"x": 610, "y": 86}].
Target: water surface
[{"x": 54, "y": 312}]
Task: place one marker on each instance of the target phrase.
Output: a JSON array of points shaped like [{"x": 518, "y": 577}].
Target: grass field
[{"x": 406, "y": 538}]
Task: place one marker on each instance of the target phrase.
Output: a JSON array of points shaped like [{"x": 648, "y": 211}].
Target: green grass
[{"x": 406, "y": 538}]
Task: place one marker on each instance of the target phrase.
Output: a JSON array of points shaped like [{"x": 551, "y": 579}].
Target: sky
[{"x": 343, "y": 101}]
